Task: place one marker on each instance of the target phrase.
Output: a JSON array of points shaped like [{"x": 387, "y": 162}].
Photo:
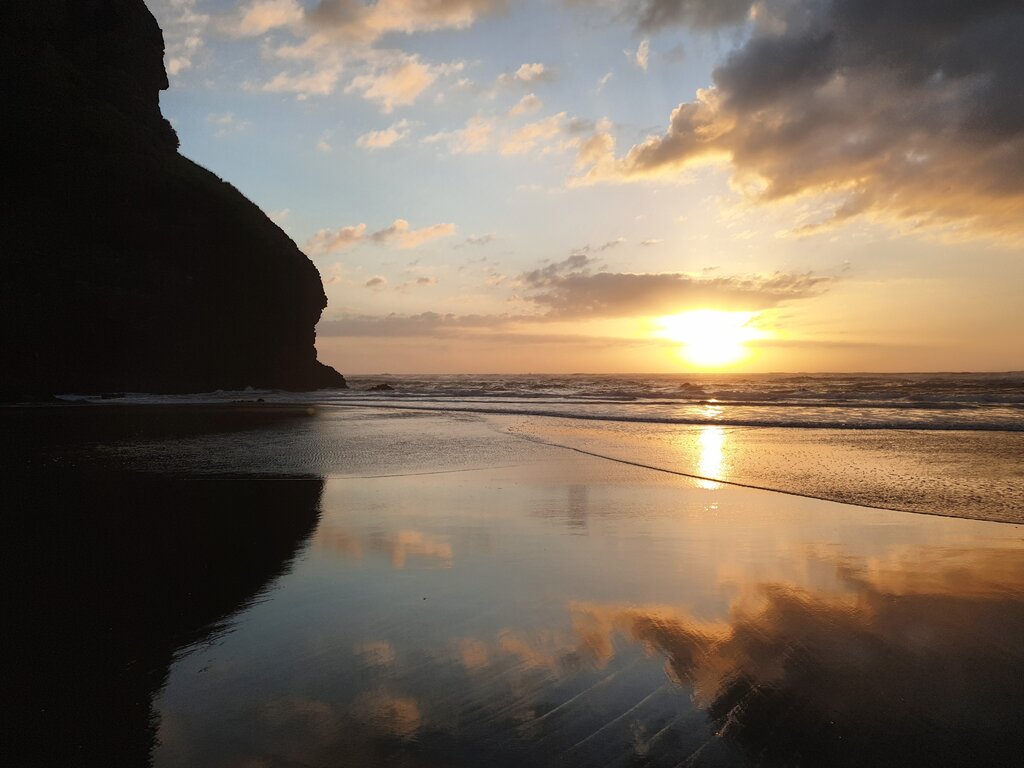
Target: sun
[{"x": 710, "y": 337}]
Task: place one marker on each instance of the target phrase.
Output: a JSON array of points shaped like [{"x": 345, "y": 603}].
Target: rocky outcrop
[{"x": 125, "y": 265}]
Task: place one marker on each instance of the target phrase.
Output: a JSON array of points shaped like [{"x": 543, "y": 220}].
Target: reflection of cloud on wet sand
[
  {"x": 900, "y": 668},
  {"x": 299, "y": 730},
  {"x": 332, "y": 540},
  {"x": 376, "y": 653},
  {"x": 541, "y": 650},
  {"x": 399, "y": 546},
  {"x": 314, "y": 720},
  {"x": 914, "y": 657},
  {"x": 474, "y": 654},
  {"x": 390, "y": 715}
]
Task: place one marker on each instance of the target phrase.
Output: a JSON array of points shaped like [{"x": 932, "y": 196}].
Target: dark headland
[{"x": 127, "y": 267}]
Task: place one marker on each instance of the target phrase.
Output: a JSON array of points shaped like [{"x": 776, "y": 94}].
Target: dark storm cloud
[{"x": 898, "y": 107}]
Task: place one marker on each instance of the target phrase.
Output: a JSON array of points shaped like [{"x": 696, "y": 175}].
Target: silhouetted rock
[
  {"x": 380, "y": 388},
  {"x": 127, "y": 267}
]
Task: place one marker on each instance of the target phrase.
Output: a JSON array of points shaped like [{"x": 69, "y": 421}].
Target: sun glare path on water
[{"x": 710, "y": 337}]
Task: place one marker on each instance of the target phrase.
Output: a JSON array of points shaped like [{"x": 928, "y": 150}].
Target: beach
[
  {"x": 271, "y": 584},
  {"x": 482, "y": 384}
]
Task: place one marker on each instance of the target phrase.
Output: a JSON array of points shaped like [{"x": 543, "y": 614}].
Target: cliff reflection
[
  {"x": 115, "y": 575},
  {"x": 900, "y": 669}
]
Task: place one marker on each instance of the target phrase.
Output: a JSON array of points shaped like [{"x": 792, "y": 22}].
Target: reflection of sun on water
[
  {"x": 710, "y": 337},
  {"x": 709, "y": 464}
]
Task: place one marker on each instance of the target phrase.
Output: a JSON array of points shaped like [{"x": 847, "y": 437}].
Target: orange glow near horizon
[{"x": 711, "y": 338}]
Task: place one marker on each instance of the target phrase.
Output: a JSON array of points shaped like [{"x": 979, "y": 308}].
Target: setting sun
[{"x": 711, "y": 337}]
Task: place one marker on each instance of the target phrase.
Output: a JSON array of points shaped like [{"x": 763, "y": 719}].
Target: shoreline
[{"x": 755, "y": 451}]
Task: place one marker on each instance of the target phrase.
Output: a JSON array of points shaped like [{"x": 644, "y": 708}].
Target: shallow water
[
  {"x": 440, "y": 591},
  {"x": 985, "y": 402},
  {"x": 571, "y": 613},
  {"x": 944, "y": 444},
  {"x": 979, "y": 475}
]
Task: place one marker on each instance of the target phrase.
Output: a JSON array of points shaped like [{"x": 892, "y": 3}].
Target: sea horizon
[{"x": 772, "y": 518}]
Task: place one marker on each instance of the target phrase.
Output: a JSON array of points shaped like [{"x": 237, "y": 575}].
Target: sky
[{"x": 493, "y": 186}]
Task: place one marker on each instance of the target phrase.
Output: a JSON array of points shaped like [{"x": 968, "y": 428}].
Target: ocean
[
  {"x": 988, "y": 402},
  {"x": 948, "y": 444}
]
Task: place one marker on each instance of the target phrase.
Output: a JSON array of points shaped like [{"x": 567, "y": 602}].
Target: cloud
[
  {"x": 899, "y": 110},
  {"x": 568, "y": 289},
  {"x": 401, "y": 236},
  {"x": 642, "y": 56},
  {"x": 350, "y": 20},
  {"x": 578, "y": 262},
  {"x": 334, "y": 240},
  {"x": 652, "y": 241},
  {"x": 596, "y": 152},
  {"x": 488, "y": 329},
  {"x": 226, "y": 124},
  {"x": 555, "y": 133},
  {"x": 376, "y": 283},
  {"x": 318, "y": 82},
  {"x": 183, "y": 28},
  {"x": 398, "y": 234},
  {"x": 398, "y": 83},
  {"x": 526, "y": 138},
  {"x": 527, "y": 74},
  {"x": 259, "y": 17},
  {"x": 474, "y": 240},
  {"x": 610, "y": 244},
  {"x": 368, "y": 22},
  {"x": 279, "y": 217},
  {"x": 473, "y": 138},
  {"x": 527, "y": 105},
  {"x": 423, "y": 324},
  {"x": 387, "y": 137},
  {"x": 655, "y": 15},
  {"x": 336, "y": 35}
]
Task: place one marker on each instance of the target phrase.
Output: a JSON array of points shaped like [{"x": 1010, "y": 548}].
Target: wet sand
[
  {"x": 438, "y": 591},
  {"x": 973, "y": 474}
]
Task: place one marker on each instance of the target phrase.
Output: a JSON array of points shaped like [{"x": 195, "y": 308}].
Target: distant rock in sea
[{"x": 127, "y": 267}]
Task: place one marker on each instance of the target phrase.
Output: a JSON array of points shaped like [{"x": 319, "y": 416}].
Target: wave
[
  {"x": 985, "y": 402},
  {"x": 806, "y": 422}
]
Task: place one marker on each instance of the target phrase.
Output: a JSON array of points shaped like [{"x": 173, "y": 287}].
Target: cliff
[{"x": 125, "y": 265}]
